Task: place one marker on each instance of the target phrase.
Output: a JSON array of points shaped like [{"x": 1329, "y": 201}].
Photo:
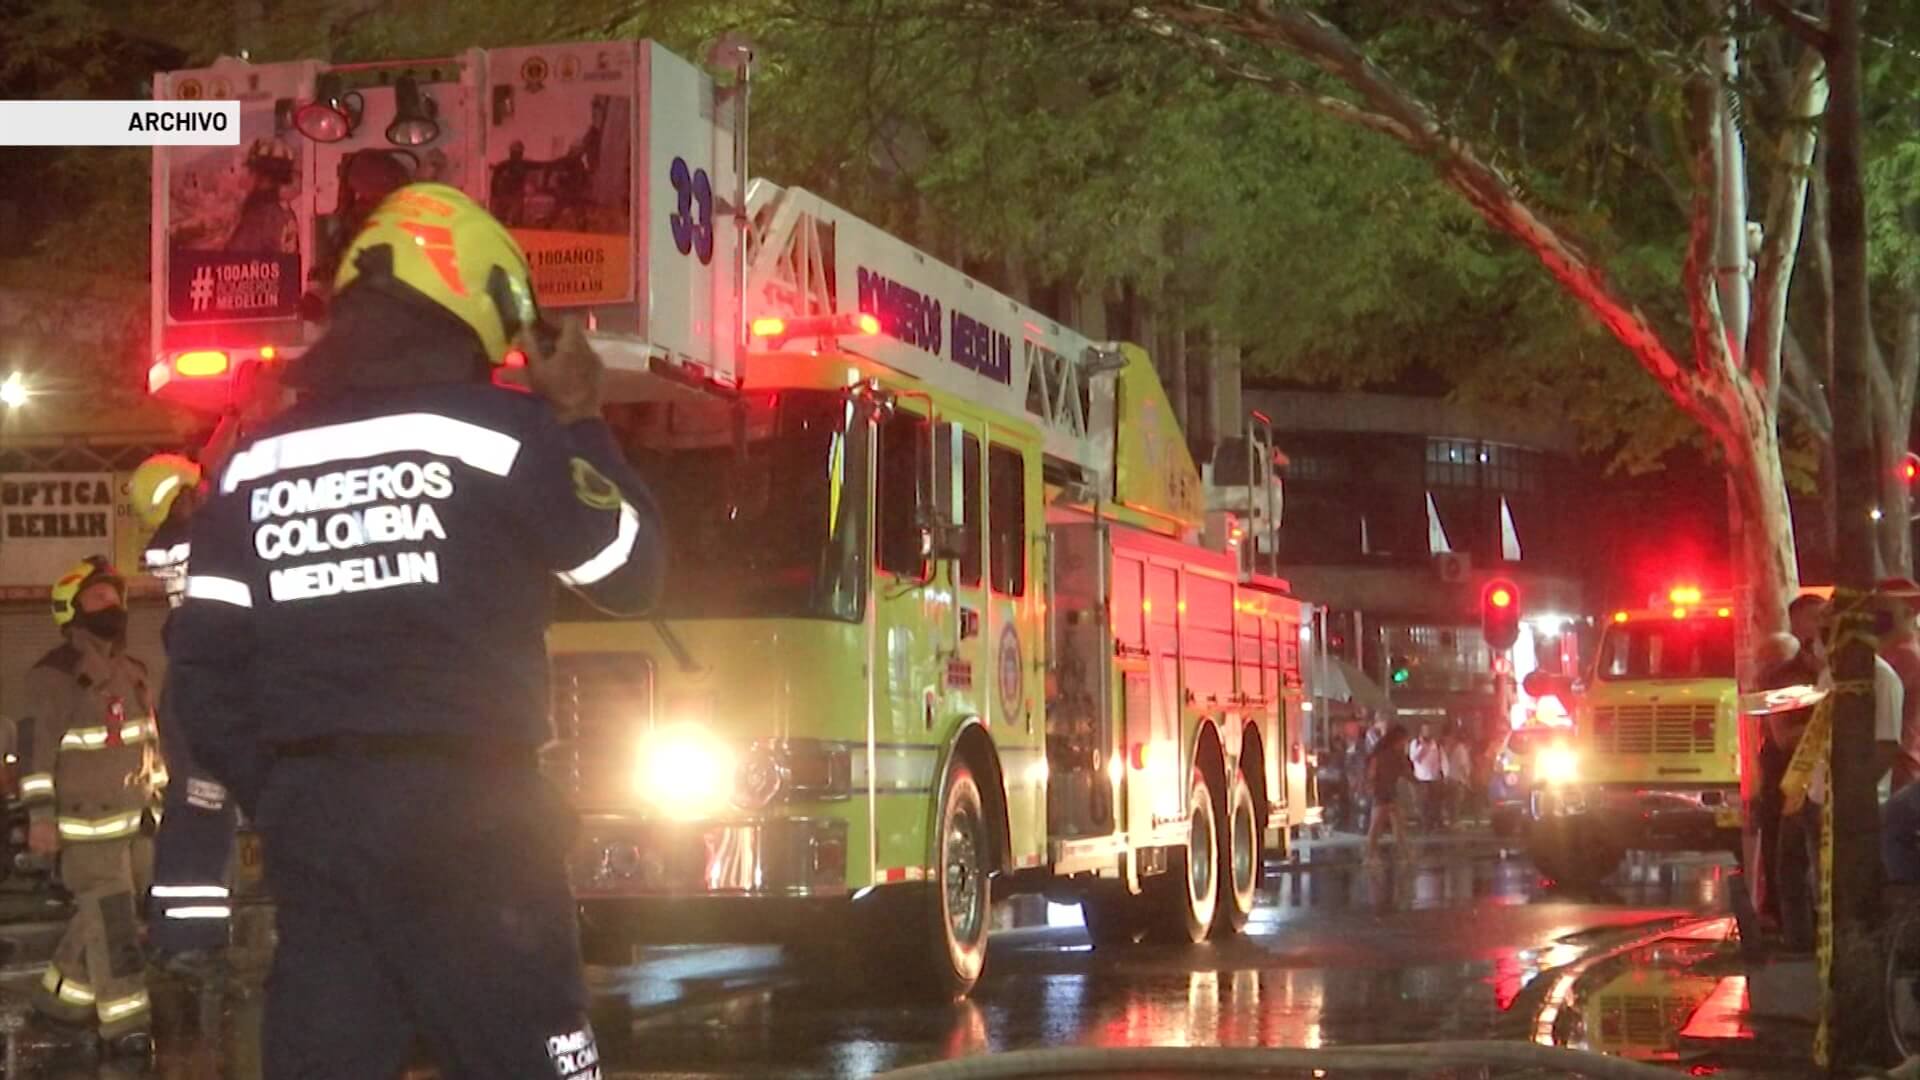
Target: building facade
[{"x": 1400, "y": 512}]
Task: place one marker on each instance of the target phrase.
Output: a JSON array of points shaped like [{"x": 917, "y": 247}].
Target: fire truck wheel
[
  {"x": 956, "y": 916},
  {"x": 1185, "y": 897},
  {"x": 1242, "y": 859},
  {"x": 1114, "y": 917}
]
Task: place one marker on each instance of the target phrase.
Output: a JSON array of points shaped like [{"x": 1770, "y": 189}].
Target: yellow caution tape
[
  {"x": 1851, "y": 623},
  {"x": 1812, "y": 753}
]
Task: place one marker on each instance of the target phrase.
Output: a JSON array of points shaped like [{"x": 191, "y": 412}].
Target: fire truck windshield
[
  {"x": 764, "y": 501},
  {"x": 1698, "y": 648}
]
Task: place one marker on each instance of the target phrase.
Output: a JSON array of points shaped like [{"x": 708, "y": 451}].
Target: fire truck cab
[{"x": 1653, "y": 759}]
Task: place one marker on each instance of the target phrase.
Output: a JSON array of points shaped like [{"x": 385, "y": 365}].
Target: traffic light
[
  {"x": 1399, "y": 670},
  {"x": 1910, "y": 468},
  {"x": 1340, "y": 634},
  {"x": 1500, "y": 614}
]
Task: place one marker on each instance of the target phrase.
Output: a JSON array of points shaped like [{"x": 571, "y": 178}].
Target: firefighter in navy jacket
[
  {"x": 361, "y": 656},
  {"x": 189, "y": 906}
]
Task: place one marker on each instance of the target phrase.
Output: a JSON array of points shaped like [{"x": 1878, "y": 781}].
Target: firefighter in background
[
  {"x": 88, "y": 757},
  {"x": 361, "y": 656},
  {"x": 190, "y": 906}
]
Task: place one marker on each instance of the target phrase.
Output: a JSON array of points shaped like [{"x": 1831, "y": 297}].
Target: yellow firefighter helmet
[
  {"x": 157, "y": 482},
  {"x": 89, "y": 571},
  {"x": 445, "y": 247}
]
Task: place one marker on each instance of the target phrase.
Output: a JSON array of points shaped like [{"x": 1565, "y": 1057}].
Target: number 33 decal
[{"x": 692, "y": 218}]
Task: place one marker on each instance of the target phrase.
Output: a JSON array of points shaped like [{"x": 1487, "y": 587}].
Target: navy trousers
[
  {"x": 421, "y": 899},
  {"x": 190, "y": 905}
]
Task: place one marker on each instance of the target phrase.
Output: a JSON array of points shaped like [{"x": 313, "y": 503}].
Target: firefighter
[
  {"x": 88, "y": 761},
  {"x": 361, "y": 658},
  {"x": 189, "y": 908}
]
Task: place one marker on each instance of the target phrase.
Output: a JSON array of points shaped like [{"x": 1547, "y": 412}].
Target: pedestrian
[
  {"x": 1900, "y": 836},
  {"x": 1784, "y": 661},
  {"x": 1457, "y": 767},
  {"x": 1900, "y": 648},
  {"x": 1335, "y": 796},
  {"x": 1387, "y": 766},
  {"x": 87, "y": 754},
  {"x": 1429, "y": 775},
  {"x": 377, "y": 710},
  {"x": 190, "y": 906},
  {"x": 1356, "y": 769},
  {"x": 1798, "y": 853}
]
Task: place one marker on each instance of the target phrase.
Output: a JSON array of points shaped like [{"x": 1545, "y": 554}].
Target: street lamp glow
[
  {"x": 13, "y": 392},
  {"x": 1875, "y": 513}
]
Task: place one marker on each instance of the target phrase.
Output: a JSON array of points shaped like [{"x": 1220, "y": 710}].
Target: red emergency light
[
  {"x": 202, "y": 379},
  {"x": 201, "y": 364},
  {"x": 777, "y": 330}
]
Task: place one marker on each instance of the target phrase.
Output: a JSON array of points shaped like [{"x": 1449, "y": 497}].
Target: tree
[{"x": 1727, "y": 379}]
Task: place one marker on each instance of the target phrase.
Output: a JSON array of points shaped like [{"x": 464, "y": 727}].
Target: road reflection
[{"x": 1446, "y": 944}]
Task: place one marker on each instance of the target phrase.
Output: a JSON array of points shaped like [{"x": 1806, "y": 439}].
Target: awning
[{"x": 1345, "y": 682}]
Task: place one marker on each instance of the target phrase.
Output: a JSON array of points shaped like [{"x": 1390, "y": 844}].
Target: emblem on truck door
[{"x": 1010, "y": 672}]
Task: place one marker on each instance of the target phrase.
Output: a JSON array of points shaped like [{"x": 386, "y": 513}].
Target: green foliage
[{"x": 1088, "y": 153}]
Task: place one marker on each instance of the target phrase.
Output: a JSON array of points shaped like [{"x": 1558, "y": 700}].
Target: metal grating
[
  {"x": 1644, "y": 1022},
  {"x": 601, "y": 704},
  {"x": 1655, "y": 729}
]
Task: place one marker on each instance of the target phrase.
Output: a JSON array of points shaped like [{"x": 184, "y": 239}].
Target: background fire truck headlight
[
  {"x": 1557, "y": 765},
  {"x": 685, "y": 770}
]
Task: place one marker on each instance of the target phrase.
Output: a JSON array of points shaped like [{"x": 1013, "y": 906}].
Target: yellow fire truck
[
  {"x": 952, "y": 615},
  {"x": 1653, "y": 759}
]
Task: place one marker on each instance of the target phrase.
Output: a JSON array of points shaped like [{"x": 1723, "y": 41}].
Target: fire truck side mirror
[
  {"x": 949, "y": 480},
  {"x": 946, "y": 542}
]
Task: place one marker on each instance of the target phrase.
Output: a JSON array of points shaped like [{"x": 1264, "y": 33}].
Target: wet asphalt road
[
  {"x": 1445, "y": 946},
  {"x": 1449, "y": 944}
]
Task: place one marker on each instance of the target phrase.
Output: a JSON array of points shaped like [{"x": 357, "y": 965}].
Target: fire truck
[
  {"x": 952, "y": 614},
  {"x": 1652, "y": 761}
]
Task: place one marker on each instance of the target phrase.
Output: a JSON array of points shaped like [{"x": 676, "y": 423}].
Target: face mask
[{"x": 108, "y": 624}]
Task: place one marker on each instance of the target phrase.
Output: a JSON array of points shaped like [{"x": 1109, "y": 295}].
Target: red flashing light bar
[
  {"x": 778, "y": 331},
  {"x": 202, "y": 378}
]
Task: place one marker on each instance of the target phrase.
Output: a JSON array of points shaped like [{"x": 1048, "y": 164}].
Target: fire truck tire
[
  {"x": 953, "y": 921},
  {"x": 1185, "y": 898},
  {"x": 1115, "y": 918},
  {"x": 1242, "y": 859}
]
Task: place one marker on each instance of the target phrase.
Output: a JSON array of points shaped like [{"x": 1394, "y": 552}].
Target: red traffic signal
[
  {"x": 1910, "y": 467},
  {"x": 1500, "y": 614}
]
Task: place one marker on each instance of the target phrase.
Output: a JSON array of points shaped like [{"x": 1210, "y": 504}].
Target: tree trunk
[
  {"x": 1176, "y": 331},
  {"x": 1893, "y": 534},
  {"x": 1854, "y": 811}
]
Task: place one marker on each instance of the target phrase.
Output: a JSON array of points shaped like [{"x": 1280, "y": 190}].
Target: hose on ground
[{"x": 1165, "y": 1060}]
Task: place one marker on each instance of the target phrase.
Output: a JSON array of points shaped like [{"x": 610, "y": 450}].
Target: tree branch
[
  {"x": 1805, "y": 27},
  {"x": 1489, "y": 191},
  {"x": 1713, "y": 354},
  {"x": 1786, "y": 217},
  {"x": 1804, "y": 389},
  {"x": 1221, "y": 59},
  {"x": 1905, "y": 366}
]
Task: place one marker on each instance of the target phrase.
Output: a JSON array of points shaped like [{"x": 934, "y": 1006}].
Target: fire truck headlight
[
  {"x": 1557, "y": 765},
  {"x": 685, "y": 771}
]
